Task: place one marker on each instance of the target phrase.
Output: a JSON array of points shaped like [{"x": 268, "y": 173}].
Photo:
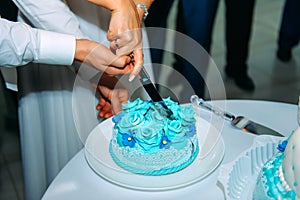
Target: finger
[
  {"x": 106, "y": 109},
  {"x": 117, "y": 71},
  {"x": 112, "y": 34},
  {"x": 125, "y": 39},
  {"x": 110, "y": 58},
  {"x": 120, "y": 98},
  {"x": 105, "y": 115},
  {"x": 101, "y": 104},
  {"x": 120, "y": 61},
  {"x": 108, "y": 115},
  {"x": 114, "y": 45},
  {"x": 118, "y": 64},
  {"x": 127, "y": 48},
  {"x": 138, "y": 64},
  {"x": 106, "y": 92},
  {"x": 124, "y": 50}
]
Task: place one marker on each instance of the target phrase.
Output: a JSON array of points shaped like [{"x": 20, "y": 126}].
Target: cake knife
[
  {"x": 151, "y": 90},
  {"x": 239, "y": 122}
]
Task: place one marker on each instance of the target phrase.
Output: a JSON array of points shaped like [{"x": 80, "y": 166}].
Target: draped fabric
[{"x": 48, "y": 135}]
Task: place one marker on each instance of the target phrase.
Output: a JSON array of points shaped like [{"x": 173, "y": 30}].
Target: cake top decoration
[{"x": 147, "y": 140}]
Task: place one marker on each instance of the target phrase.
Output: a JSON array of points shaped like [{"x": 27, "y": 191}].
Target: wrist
[
  {"x": 143, "y": 7},
  {"x": 143, "y": 10},
  {"x": 147, "y": 3},
  {"x": 108, "y": 4},
  {"x": 83, "y": 48}
]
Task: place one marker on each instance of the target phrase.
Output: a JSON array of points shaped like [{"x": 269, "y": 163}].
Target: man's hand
[
  {"x": 102, "y": 58},
  {"x": 112, "y": 96}
]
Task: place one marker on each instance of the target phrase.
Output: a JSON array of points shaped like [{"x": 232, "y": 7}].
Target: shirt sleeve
[
  {"x": 21, "y": 44},
  {"x": 51, "y": 15}
]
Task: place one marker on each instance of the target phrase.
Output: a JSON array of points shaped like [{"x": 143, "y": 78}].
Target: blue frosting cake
[
  {"x": 280, "y": 176},
  {"x": 146, "y": 140}
]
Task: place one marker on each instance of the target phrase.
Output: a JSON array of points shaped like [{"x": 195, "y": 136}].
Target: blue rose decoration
[
  {"x": 165, "y": 142},
  {"x": 135, "y": 119},
  {"x": 129, "y": 106},
  {"x": 169, "y": 102},
  {"x": 173, "y": 127},
  {"x": 156, "y": 115},
  {"x": 132, "y": 120},
  {"x": 137, "y": 105},
  {"x": 128, "y": 140},
  {"x": 173, "y": 106},
  {"x": 148, "y": 138},
  {"x": 187, "y": 115}
]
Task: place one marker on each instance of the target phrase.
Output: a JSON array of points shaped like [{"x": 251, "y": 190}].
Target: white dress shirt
[
  {"x": 21, "y": 44},
  {"x": 79, "y": 18}
]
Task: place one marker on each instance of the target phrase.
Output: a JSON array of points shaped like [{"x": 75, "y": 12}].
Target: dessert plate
[{"x": 99, "y": 159}]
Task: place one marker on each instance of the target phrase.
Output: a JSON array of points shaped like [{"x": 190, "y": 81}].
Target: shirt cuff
[{"x": 56, "y": 48}]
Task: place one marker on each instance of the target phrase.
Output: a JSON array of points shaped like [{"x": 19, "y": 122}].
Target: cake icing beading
[
  {"x": 146, "y": 140},
  {"x": 280, "y": 176}
]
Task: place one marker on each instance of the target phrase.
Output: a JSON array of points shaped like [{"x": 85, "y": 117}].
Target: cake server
[
  {"x": 151, "y": 89},
  {"x": 239, "y": 122}
]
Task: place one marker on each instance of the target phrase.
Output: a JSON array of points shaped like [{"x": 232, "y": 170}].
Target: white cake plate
[{"x": 98, "y": 157}]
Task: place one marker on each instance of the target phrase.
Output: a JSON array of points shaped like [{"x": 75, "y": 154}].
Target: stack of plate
[{"x": 239, "y": 176}]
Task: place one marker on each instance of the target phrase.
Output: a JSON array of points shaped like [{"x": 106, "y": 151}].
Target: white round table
[{"x": 78, "y": 181}]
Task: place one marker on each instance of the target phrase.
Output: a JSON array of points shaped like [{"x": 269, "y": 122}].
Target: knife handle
[
  {"x": 150, "y": 87},
  {"x": 144, "y": 77},
  {"x": 199, "y": 102}
]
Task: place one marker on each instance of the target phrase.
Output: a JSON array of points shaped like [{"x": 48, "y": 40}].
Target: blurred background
[{"x": 274, "y": 81}]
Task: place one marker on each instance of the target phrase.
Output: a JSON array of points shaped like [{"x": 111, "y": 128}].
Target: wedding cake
[{"x": 148, "y": 140}]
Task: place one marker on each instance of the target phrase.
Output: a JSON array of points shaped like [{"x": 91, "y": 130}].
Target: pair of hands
[
  {"x": 124, "y": 56},
  {"x": 113, "y": 95}
]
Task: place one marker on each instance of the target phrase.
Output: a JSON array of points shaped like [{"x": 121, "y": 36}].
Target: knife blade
[
  {"x": 151, "y": 90},
  {"x": 239, "y": 122},
  {"x": 253, "y": 127}
]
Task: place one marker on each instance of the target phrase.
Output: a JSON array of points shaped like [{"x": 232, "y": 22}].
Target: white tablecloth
[{"x": 78, "y": 181}]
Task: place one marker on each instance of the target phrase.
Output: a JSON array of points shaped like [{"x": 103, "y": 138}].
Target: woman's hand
[
  {"x": 141, "y": 11},
  {"x": 124, "y": 32}
]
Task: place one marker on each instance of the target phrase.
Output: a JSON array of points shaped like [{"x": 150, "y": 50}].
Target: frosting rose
[
  {"x": 136, "y": 106},
  {"x": 169, "y": 102},
  {"x": 148, "y": 138},
  {"x": 157, "y": 116},
  {"x": 130, "y": 105},
  {"x": 131, "y": 120},
  {"x": 173, "y": 128},
  {"x": 187, "y": 115},
  {"x": 158, "y": 113}
]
